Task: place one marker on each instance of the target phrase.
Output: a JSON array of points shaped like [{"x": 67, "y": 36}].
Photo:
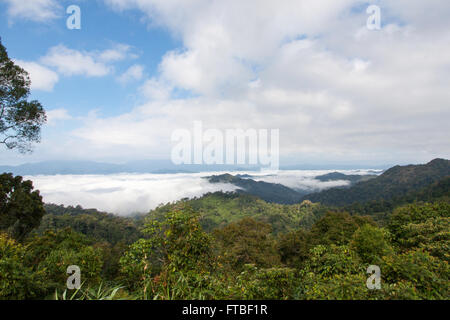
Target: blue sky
[
  {"x": 101, "y": 30},
  {"x": 140, "y": 69}
]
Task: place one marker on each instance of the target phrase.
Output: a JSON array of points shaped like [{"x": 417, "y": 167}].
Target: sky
[{"x": 138, "y": 70}]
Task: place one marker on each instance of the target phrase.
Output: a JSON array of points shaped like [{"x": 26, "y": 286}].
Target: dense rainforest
[{"x": 236, "y": 245}]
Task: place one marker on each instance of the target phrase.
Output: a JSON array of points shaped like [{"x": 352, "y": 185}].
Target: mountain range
[{"x": 395, "y": 182}]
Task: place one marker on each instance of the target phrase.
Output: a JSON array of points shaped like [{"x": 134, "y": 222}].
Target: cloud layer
[{"x": 130, "y": 193}]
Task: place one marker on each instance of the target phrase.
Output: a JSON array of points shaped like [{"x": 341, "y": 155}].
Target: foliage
[
  {"x": 20, "y": 120},
  {"x": 270, "y": 283},
  {"x": 427, "y": 275},
  {"x": 53, "y": 252},
  {"x": 371, "y": 243},
  {"x": 219, "y": 209},
  {"x": 101, "y": 292},
  {"x": 246, "y": 242},
  {"x": 294, "y": 247},
  {"x": 337, "y": 228},
  {"x": 99, "y": 226},
  {"x": 17, "y": 280},
  {"x": 175, "y": 247},
  {"x": 21, "y": 208}
]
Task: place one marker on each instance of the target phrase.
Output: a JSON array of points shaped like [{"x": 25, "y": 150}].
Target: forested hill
[
  {"x": 218, "y": 209},
  {"x": 270, "y": 192},
  {"x": 97, "y": 225},
  {"x": 395, "y": 182}
]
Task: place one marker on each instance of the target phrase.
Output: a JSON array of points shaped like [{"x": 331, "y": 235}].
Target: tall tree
[
  {"x": 21, "y": 208},
  {"x": 20, "y": 120}
]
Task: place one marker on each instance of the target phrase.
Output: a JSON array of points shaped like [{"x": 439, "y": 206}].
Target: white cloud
[
  {"x": 41, "y": 77},
  {"x": 123, "y": 193},
  {"x": 118, "y": 53},
  {"x": 312, "y": 69},
  {"x": 71, "y": 62},
  {"x": 34, "y": 10},
  {"x": 57, "y": 114},
  {"x": 334, "y": 88},
  {"x": 154, "y": 89},
  {"x": 133, "y": 73},
  {"x": 129, "y": 193}
]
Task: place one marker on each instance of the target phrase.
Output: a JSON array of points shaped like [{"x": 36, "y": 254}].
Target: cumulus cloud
[
  {"x": 332, "y": 87},
  {"x": 35, "y": 10},
  {"x": 55, "y": 115},
  {"x": 118, "y": 53},
  {"x": 71, "y": 62},
  {"x": 133, "y": 73},
  {"x": 41, "y": 77}
]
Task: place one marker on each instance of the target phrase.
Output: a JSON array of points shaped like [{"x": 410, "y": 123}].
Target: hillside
[
  {"x": 92, "y": 223},
  {"x": 219, "y": 209},
  {"x": 353, "y": 178},
  {"x": 395, "y": 182},
  {"x": 270, "y": 192}
]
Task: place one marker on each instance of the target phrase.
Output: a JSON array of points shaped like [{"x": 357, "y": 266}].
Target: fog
[{"x": 124, "y": 194}]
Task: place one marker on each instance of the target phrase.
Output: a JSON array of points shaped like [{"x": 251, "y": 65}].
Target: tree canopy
[{"x": 20, "y": 120}]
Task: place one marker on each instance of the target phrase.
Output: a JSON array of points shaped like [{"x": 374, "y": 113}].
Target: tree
[
  {"x": 21, "y": 208},
  {"x": 175, "y": 256},
  {"x": 20, "y": 120},
  {"x": 337, "y": 228},
  {"x": 371, "y": 243},
  {"x": 246, "y": 242},
  {"x": 294, "y": 247},
  {"x": 17, "y": 280}
]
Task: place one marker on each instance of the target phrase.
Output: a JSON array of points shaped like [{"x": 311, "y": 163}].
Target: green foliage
[
  {"x": 17, "y": 280},
  {"x": 101, "y": 292},
  {"x": 219, "y": 209},
  {"x": 53, "y": 252},
  {"x": 337, "y": 228},
  {"x": 260, "y": 284},
  {"x": 21, "y": 208},
  {"x": 382, "y": 209},
  {"x": 174, "y": 248},
  {"x": 246, "y": 242},
  {"x": 332, "y": 272},
  {"x": 99, "y": 226},
  {"x": 371, "y": 243},
  {"x": 427, "y": 275},
  {"x": 294, "y": 247},
  {"x": 413, "y": 214},
  {"x": 20, "y": 120}
]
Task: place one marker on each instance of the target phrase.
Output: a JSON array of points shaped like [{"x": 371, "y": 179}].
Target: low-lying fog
[{"x": 125, "y": 194}]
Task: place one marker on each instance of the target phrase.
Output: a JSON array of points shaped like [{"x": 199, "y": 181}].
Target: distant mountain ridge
[
  {"x": 395, "y": 182},
  {"x": 353, "y": 178},
  {"x": 270, "y": 192},
  {"x": 92, "y": 167}
]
